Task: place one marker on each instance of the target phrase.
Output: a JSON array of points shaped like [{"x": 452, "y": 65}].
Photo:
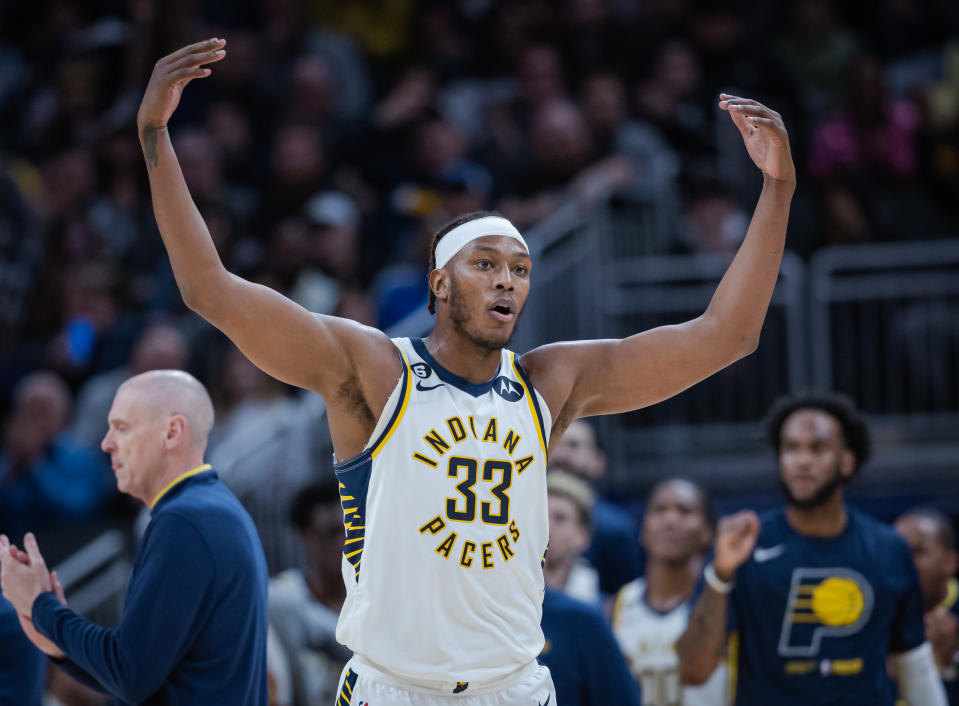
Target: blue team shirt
[
  {"x": 23, "y": 668},
  {"x": 583, "y": 656},
  {"x": 817, "y": 618},
  {"x": 194, "y": 624}
]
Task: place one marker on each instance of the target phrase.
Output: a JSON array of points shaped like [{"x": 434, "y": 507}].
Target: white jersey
[
  {"x": 648, "y": 640},
  {"x": 447, "y": 526}
]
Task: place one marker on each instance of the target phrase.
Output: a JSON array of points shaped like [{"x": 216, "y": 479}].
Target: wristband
[{"x": 716, "y": 583}]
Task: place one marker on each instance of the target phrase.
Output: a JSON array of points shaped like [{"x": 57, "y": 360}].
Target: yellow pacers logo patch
[
  {"x": 823, "y": 603},
  {"x": 837, "y": 601}
]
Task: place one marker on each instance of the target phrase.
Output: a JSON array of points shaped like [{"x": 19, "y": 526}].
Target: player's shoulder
[
  {"x": 628, "y": 597},
  {"x": 881, "y": 535}
]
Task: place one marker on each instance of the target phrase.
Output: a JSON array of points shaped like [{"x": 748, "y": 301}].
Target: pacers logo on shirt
[{"x": 823, "y": 603}]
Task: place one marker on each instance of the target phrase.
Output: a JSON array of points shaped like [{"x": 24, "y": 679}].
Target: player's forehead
[
  {"x": 502, "y": 245},
  {"x": 918, "y": 529},
  {"x": 810, "y": 425},
  {"x": 675, "y": 493}
]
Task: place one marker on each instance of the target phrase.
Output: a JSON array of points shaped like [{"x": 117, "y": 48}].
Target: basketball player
[
  {"x": 441, "y": 442},
  {"x": 932, "y": 539},
  {"x": 825, "y": 594},
  {"x": 652, "y": 612}
]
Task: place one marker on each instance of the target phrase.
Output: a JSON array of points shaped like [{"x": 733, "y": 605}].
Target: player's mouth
[{"x": 503, "y": 311}]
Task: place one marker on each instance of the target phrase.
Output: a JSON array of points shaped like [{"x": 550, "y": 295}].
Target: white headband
[{"x": 456, "y": 239}]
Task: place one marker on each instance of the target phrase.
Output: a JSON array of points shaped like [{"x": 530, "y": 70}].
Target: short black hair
[
  {"x": 308, "y": 497},
  {"x": 852, "y": 424},
  {"x": 709, "y": 512},
  {"x": 438, "y": 235},
  {"x": 944, "y": 527}
]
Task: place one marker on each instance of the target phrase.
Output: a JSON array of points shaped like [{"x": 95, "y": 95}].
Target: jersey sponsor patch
[{"x": 509, "y": 390}]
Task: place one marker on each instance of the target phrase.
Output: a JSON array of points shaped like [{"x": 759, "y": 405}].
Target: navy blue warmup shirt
[
  {"x": 583, "y": 657},
  {"x": 194, "y": 626},
  {"x": 23, "y": 668},
  {"x": 817, "y": 618}
]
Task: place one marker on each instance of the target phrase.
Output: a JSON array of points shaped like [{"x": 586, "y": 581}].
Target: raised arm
[
  {"x": 320, "y": 353},
  {"x": 609, "y": 376},
  {"x": 703, "y": 645}
]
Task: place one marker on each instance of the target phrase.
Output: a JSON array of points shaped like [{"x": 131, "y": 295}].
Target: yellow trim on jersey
[
  {"x": 385, "y": 437},
  {"x": 732, "y": 663},
  {"x": 952, "y": 594},
  {"x": 532, "y": 406},
  {"x": 181, "y": 477},
  {"x": 618, "y": 605}
]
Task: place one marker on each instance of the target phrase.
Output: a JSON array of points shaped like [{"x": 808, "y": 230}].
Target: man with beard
[
  {"x": 818, "y": 593},
  {"x": 441, "y": 442}
]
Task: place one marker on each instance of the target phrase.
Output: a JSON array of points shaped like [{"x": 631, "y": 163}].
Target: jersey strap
[{"x": 531, "y": 400}]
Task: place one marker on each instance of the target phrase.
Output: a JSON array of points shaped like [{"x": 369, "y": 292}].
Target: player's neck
[
  {"x": 823, "y": 521},
  {"x": 460, "y": 355},
  {"x": 670, "y": 583}
]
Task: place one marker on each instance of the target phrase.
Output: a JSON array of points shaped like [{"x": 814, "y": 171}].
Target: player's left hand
[
  {"x": 23, "y": 582},
  {"x": 765, "y": 136}
]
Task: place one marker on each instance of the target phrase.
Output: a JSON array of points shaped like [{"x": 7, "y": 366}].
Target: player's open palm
[
  {"x": 170, "y": 75},
  {"x": 764, "y": 134},
  {"x": 735, "y": 540}
]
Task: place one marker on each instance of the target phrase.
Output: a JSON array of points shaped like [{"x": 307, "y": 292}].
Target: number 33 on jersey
[{"x": 445, "y": 511}]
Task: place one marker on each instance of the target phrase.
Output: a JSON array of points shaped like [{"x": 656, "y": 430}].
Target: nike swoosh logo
[
  {"x": 422, "y": 388},
  {"x": 763, "y": 554},
  {"x": 545, "y": 702}
]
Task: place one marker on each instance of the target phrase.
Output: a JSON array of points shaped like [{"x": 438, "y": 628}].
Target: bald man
[{"x": 194, "y": 623}]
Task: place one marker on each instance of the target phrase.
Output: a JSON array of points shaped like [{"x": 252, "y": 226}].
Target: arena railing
[{"x": 95, "y": 577}]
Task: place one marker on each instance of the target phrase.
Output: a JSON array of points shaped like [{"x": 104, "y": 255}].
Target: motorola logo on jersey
[
  {"x": 421, "y": 370},
  {"x": 823, "y": 603},
  {"x": 507, "y": 389}
]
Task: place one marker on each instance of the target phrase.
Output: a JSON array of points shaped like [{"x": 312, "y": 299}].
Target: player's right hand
[
  {"x": 170, "y": 75},
  {"x": 735, "y": 540}
]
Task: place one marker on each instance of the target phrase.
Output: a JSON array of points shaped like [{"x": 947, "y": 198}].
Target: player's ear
[
  {"x": 175, "y": 430},
  {"x": 440, "y": 284},
  {"x": 847, "y": 463}
]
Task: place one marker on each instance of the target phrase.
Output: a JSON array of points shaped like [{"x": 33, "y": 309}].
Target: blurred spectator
[
  {"x": 582, "y": 655},
  {"x": 671, "y": 98},
  {"x": 46, "y": 479},
  {"x": 160, "y": 347},
  {"x": 22, "y": 666},
  {"x": 932, "y": 539},
  {"x": 570, "y": 521},
  {"x": 614, "y": 549},
  {"x": 305, "y": 605},
  {"x": 815, "y": 50},
  {"x": 713, "y": 222},
  {"x": 873, "y": 135},
  {"x": 652, "y": 612},
  {"x": 263, "y": 445}
]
